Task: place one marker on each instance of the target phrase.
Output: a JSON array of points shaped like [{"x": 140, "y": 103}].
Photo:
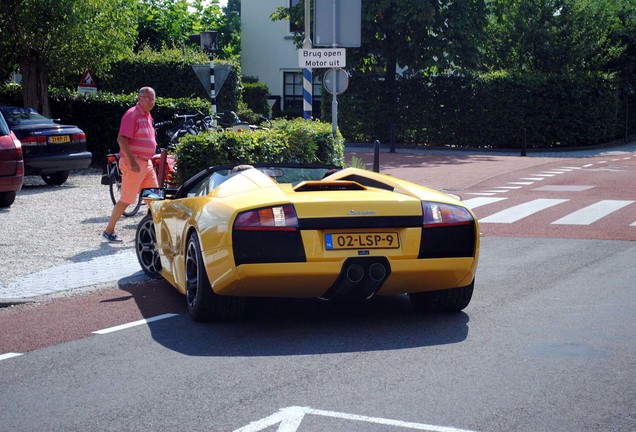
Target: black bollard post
[
  {"x": 376, "y": 156},
  {"x": 523, "y": 143}
]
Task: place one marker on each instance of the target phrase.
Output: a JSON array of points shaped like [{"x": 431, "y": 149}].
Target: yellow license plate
[
  {"x": 59, "y": 139},
  {"x": 380, "y": 240}
]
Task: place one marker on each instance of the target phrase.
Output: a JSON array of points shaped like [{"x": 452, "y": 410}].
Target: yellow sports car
[{"x": 304, "y": 231}]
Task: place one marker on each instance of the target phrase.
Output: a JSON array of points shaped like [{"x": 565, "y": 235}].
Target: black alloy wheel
[
  {"x": 203, "y": 303},
  {"x": 146, "y": 248}
]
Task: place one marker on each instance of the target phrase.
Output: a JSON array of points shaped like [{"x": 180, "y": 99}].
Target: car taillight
[
  {"x": 33, "y": 140},
  {"x": 439, "y": 214},
  {"x": 282, "y": 218},
  {"x": 81, "y": 137},
  {"x": 18, "y": 148}
]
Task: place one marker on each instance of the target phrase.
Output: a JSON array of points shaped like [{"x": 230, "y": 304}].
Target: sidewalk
[{"x": 406, "y": 163}]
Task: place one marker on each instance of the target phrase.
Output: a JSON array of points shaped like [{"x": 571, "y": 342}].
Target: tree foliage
[
  {"x": 169, "y": 24},
  {"x": 42, "y": 38}
]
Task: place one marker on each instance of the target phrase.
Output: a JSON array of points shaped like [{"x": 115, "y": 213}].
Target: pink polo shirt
[{"x": 136, "y": 125}]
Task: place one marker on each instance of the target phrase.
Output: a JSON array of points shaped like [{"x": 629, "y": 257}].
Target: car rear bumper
[
  {"x": 12, "y": 183},
  {"x": 51, "y": 164},
  {"x": 314, "y": 279}
]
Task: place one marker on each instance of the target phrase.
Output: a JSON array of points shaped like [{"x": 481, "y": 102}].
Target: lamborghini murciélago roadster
[{"x": 304, "y": 231}]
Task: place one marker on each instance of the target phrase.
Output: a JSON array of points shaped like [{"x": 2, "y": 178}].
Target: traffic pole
[{"x": 307, "y": 72}]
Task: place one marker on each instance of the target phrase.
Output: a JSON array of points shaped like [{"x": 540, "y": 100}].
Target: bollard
[
  {"x": 376, "y": 156},
  {"x": 523, "y": 143}
]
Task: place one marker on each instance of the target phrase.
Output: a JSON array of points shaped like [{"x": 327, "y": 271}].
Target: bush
[
  {"x": 287, "y": 141},
  {"x": 490, "y": 110}
]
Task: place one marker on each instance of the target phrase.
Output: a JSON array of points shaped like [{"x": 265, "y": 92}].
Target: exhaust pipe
[
  {"x": 355, "y": 273},
  {"x": 377, "y": 272}
]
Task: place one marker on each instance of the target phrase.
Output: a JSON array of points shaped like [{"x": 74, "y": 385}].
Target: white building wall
[{"x": 267, "y": 47}]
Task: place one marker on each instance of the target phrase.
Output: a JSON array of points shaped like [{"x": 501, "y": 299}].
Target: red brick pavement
[{"x": 448, "y": 172}]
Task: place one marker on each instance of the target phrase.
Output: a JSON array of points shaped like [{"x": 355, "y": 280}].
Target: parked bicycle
[{"x": 163, "y": 163}]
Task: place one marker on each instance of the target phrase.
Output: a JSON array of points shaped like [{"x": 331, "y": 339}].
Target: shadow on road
[{"x": 282, "y": 327}]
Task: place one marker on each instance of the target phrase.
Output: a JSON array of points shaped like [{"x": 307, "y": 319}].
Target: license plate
[
  {"x": 381, "y": 240},
  {"x": 59, "y": 139}
]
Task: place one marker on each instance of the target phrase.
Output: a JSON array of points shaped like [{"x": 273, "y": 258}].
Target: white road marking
[
  {"x": 554, "y": 172},
  {"x": 521, "y": 183},
  {"x": 592, "y": 213},
  {"x": 518, "y": 212},
  {"x": 481, "y": 193},
  {"x": 9, "y": 355},
  {"x": 532, "y": 178},
  {"x": 508, "y": 187},
  {"x": 496, "y": 191},
  {"x": 543, "y": 175},
  {"x": 135, "y": 323},
  {"x": 478, "y": 202},
  {"x": 289, "y": 420},
  {"x": 564, "y": 188},
  {"x": 633, "y": 224}
]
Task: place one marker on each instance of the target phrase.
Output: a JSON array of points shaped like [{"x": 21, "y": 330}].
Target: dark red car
[
  {"x": 51, "y": 150},
  {"x": 11, "y": 165}
]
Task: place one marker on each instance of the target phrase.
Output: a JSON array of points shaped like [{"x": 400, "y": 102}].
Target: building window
[
  {"x": 293, "y": 92},
  {"x": 293, "y": 27}
]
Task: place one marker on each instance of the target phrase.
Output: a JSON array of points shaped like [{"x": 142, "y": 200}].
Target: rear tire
[
  {"x": 114, "y": 186},
  {"x": 6, "y": 199},
  {"x": 146, "y": 248},
  {"x": 203, "y": 303},
  {"x": 449, "y": 300},
  {"x": 55, "y": 179}
]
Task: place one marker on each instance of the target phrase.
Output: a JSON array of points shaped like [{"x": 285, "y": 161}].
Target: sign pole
[
  {"x": 308, "y": 83},
  {"x": 334, "y": 98}
]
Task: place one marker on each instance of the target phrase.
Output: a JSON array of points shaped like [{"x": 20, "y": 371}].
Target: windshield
[{"x": 205, "y": 181}]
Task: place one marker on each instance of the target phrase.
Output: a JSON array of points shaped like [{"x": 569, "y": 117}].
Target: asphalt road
[{"x": 548, "y": 342}]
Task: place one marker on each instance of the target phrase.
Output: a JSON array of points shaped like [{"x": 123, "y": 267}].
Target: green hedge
[
  {"x": 287, "y": 141},
  {"x": 490, "y": 111}
]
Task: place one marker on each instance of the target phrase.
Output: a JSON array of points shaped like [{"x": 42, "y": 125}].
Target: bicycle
[
  {"x": 163, "y": 163},
  {"x": 114, "y": 184}
]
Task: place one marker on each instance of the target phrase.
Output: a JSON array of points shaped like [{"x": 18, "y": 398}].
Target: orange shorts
[{"x": 133, "y": 182}]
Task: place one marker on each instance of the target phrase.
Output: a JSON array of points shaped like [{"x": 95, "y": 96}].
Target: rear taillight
[
  {"x": 18, "y": 148},
  {"x": 78, "y": 137},
  {"x": 277, "y": 218},
  {"x": 436, "y": 214},
  {"x": 34, "y": 140},
  {"x": 111, "y": 158}
]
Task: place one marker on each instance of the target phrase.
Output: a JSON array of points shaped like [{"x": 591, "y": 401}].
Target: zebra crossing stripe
[
  {"x": 592, "y": 213},
  {"x": 478, "y": 202},
  {"x": 518, "y": 212}
]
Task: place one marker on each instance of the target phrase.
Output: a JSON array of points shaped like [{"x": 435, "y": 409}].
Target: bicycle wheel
[{"x": 114, "y": 185}]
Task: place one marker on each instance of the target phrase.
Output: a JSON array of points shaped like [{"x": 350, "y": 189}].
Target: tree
[
  {"x": 169, "y": 24},
  {"x": 552, "y": 36},
  {"x": 54, "y": 37}
]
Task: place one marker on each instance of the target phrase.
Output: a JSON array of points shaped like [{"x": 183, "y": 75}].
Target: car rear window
[
  {"x": 4, "y": 128},
  {"x": 20, "y": 115}
]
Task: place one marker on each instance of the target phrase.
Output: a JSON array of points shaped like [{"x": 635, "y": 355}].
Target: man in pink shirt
[{"x": 137, "y": 146}]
